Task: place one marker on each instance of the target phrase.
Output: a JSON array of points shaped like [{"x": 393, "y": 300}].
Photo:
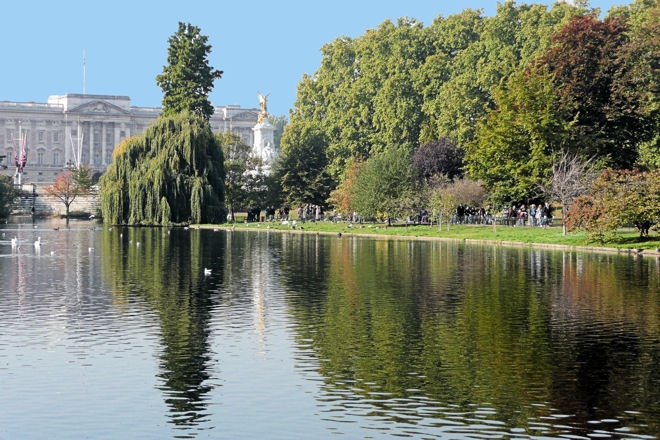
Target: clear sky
[{"x": 260, "y": 45}]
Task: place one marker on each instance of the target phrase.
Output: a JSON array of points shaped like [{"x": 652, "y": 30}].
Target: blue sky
[{"x": 261, "y": 46}]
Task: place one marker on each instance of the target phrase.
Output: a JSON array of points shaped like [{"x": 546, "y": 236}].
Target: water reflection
[
  {"x": 165, "y": 269},
  {"x": 316, "y": 334},
  {"x": 523, "y": 335}
]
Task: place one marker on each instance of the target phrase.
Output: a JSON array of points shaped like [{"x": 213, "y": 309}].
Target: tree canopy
[
  {"x": 172, "y": 173},
  {"x": 618, "y": 198},
  {"x": 513, "y": 92},
  {"x": 188, "y": 79}
]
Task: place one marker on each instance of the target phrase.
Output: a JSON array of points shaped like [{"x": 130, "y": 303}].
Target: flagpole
[{"x": 84, "y": 72}]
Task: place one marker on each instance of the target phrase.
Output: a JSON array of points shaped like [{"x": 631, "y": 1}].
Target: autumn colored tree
[
  {"x": 340, "y": 197},
  {"x": 441, "y": 200},
  {"x": 586, "y": 60},
  {"x": 68, "y": 186},
  {"x": 618, "y": 198}
]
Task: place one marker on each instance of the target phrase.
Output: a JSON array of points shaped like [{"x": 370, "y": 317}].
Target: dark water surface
[{"x": 118, "y": 333}]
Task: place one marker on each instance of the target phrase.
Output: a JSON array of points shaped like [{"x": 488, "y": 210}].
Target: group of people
[
  {"x": 472, "y": 216},
  {"x": 537, "y": 215},
  {"x": 274, "y": 214},
  {"x": 310, "y": 212}
]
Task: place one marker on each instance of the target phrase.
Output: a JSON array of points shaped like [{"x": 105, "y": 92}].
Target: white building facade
[{"x": 83, "y": 129}]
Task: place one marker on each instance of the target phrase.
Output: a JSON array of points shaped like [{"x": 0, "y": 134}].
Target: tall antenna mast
[{"x": 84, "y": 72}]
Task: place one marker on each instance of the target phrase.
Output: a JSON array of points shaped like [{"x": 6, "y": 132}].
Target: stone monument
[{"x": 264, "y": 140}]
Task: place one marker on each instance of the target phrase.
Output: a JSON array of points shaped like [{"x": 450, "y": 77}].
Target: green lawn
[{"x": 628, "y": 238}]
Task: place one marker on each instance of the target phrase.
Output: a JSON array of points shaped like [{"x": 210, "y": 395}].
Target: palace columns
[
  {"x": 104, "y": 140},
  {"x": 67, "y": 143},
  {"x": 90, "y": 153}
]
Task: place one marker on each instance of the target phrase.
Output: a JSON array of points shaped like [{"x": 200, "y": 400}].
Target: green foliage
[
  {"x": 173, "y": 173},
  {"x": 637, "y": 89},
  {"x": 513, "y": 91},
  {"x": 480, "y": 56},
  {"x": 385, "y": 186},
  {"x": 278, "y": 122},
  {"x": 618, "y": 198},
  {"x": 187, "y": 79},
  {"x": 240, "y": 171},
  {"x": 302, "y": 170},
  {"x": 514, "y": 147},
  {"x": 442, "y": 202},
  {"x": 82, "y": 177},
  {"x": 365, "y": 94},
  {"x": 7, "y": 194}
]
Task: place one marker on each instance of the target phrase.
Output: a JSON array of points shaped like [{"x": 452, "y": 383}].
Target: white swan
[{"x": 207, "y": 271}]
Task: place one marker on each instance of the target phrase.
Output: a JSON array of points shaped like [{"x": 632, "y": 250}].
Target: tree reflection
[
  {"x": 520, "y": 330},
  {"x": 165, "y": 269}
]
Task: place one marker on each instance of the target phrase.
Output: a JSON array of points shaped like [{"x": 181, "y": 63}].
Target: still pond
[{"x": 127, "y": 333}]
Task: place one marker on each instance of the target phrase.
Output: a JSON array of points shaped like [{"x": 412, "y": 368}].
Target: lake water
[{"x": 118, "y": 333}]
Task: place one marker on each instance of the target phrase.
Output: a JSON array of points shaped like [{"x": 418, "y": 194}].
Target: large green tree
[
  {"x": 480, "y": 54},
  {"x": 172, "y": 173},
  {"x": 515, "y": 145},
  {"x": 187, "y": 79},
  {"x": 385, "y": 186},
  {"x": 636, "y": 89},
  {"x": 301, "y": 171}
]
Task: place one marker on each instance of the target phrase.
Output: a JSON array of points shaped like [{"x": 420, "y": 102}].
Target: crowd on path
[
  {"x": 537, "y": 215},
  {"x": 534, "y": 215}
]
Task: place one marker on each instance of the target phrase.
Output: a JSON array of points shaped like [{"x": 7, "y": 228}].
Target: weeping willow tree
[{"x": 171, "y": 174}]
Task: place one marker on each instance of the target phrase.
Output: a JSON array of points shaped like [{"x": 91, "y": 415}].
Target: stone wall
[{"x": 46, "y": 205}]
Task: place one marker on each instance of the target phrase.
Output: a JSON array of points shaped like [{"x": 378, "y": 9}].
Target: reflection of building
[{"x": 84, "y": 129}]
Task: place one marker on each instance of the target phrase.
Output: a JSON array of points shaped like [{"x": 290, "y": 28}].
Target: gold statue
[{"x": 263, "y": 103}]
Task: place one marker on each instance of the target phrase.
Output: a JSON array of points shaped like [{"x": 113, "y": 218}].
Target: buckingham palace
[{"x": 83, "y": 129}]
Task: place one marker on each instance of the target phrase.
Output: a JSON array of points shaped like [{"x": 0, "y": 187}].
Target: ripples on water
[{"x": 303, "y": 336}]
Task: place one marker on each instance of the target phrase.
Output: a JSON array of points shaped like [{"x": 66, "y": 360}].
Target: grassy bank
[{"x": 629, "y": 238}]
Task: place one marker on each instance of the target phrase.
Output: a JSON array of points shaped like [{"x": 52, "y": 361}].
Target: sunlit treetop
[{"x": 188, "y": 79}]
